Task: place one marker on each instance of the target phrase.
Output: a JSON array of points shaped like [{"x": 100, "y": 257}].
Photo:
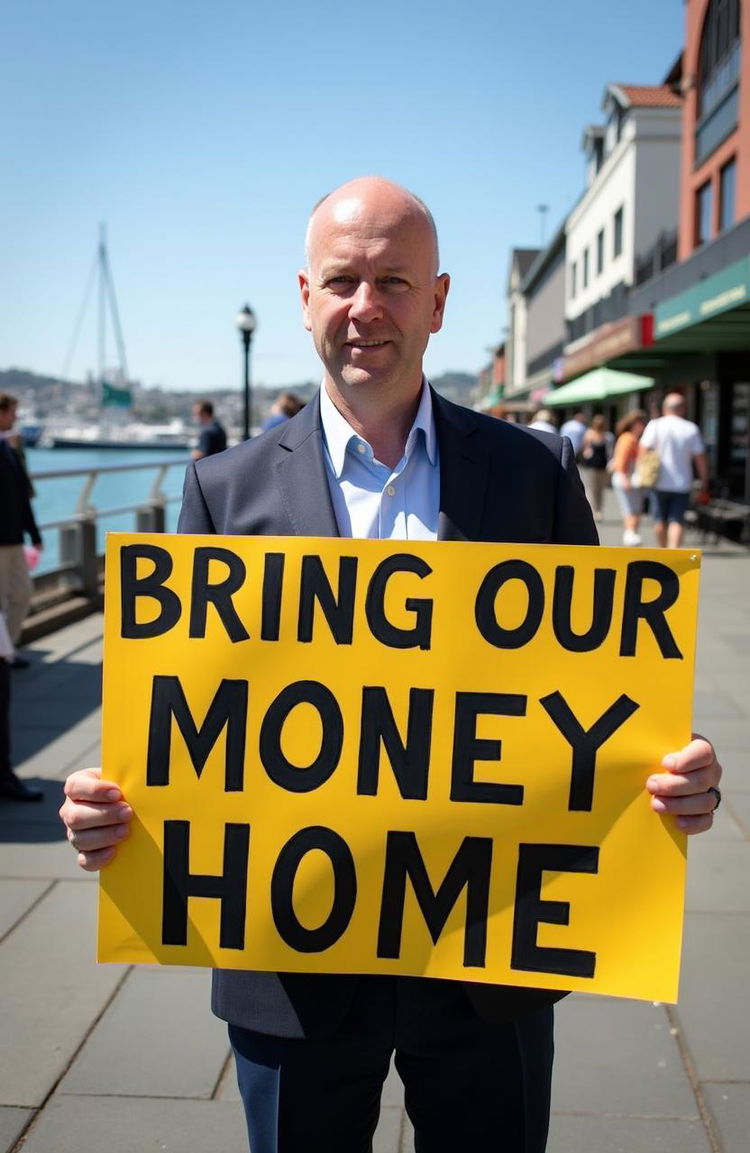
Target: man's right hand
[{"x": 97, "y": 817}]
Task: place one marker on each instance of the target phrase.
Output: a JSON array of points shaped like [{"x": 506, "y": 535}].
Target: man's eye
[
  {"x": 340, "y": 281},
  {"x": 396, "y": 283}
]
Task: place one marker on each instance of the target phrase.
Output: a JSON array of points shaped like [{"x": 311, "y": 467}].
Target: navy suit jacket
[{"x": 498, "y": 482}]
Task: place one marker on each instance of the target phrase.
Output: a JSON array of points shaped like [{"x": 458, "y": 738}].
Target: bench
[{"x": 722, "y": 518}]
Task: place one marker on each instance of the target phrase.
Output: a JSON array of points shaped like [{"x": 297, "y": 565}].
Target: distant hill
[{"x": 461, "y": 387}]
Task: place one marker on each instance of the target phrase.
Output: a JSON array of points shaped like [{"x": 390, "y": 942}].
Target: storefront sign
[
  {"x": 609, "y": 342},
  {"x": 727, "y": 289}
]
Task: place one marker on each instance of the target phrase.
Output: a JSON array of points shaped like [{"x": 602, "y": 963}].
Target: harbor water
[{"x": 58, "y": 497}]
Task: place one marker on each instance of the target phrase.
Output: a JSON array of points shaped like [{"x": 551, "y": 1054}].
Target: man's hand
[
  {"x": 684, "y": 788},
  {"x": 96, "y": 816}
]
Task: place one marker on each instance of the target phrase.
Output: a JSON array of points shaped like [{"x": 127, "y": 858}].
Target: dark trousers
[
  {"x": 470, "y": 1086},
  {"x": 4, "y": 718}
]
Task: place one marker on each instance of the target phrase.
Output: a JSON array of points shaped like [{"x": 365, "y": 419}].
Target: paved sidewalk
[{"x": 130, "y": 1059}]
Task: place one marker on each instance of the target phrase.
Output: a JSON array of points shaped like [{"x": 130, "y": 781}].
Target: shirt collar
[{"x": 339, "y": 434}]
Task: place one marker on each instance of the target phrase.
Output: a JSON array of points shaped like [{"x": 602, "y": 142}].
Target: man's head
[
  {"x": 580, "y": 417},
  {"x": 203, "y": 411},
  {"x": 371, "y": 292},
  {"x": 8, "y": 406},
  {"x": 673, "y": 404}
]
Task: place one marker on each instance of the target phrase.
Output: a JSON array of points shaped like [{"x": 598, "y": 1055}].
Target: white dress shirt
[{"x": 369, "y": 498}]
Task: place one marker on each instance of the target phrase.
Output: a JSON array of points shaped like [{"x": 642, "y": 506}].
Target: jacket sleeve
[
  {"x": 194, "y": 514},
  {"x": 574, "y": 520}
]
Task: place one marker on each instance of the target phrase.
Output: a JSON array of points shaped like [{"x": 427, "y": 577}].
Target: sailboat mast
[{"x": 102, "y": 354}]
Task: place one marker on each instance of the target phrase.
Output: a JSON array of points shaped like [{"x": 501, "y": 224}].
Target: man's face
[
  {"x": 7, "y": 418},
  {"x": 371, "y": 296}
]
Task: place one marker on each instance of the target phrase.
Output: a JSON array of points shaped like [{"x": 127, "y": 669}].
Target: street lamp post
[{"x": 246, "y": 323}]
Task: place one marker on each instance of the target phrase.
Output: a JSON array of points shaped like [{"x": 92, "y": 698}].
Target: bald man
[
  {"x": 378, "y": 454},
  {"x": 681, "y": 452}
]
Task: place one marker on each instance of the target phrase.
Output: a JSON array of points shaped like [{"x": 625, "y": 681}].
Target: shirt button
[
  {"x": 361, "y": 449},
  {"x": 391, "y": 490}
]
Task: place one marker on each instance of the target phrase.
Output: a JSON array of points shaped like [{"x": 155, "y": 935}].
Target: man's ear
[
  {"x": 303, "y": 279},
  {"x": 442, "y": 284}
]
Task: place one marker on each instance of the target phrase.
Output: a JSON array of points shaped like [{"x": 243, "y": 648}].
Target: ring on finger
[{"x": 717, "y": 793}]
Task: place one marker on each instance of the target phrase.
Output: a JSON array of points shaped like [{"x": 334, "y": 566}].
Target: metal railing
[{"x": 78, "y": 571}]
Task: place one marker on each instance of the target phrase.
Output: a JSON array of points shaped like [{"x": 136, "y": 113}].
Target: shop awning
[{"x": 597, "y": 385}]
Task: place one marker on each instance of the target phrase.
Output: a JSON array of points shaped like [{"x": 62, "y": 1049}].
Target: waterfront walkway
[{"x": 130, "y": 1059}]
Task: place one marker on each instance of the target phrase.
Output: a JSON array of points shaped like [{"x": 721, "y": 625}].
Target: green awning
[{"x": 597, "y": 385}]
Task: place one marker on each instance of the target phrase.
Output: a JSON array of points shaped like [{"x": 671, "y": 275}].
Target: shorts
[
  {"x": 630, "y": 500},
  {"x": 669, "y": 506}
]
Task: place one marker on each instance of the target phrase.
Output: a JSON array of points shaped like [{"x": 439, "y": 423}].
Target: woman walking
[
  {"x": 596, "y": 449},
  {"x": 629, "y": 495}
]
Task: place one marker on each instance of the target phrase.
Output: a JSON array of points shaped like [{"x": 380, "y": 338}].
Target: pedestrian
[
  {"x": 544, "y": 421},
  {"x": 679, "y": 446},
  {"x": 596, "y": 449},
  {"x": 212, "y": 437},
  {"x": 630, "y": 496},
  {"x": 286, "y": 405},
  {"x": 16, "y": 522},
  {"x": 377, "y": 453},
  {"x": 575, "y": 429}
]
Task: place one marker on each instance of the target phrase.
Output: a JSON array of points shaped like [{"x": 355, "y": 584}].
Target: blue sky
[{"x": 203, "y": 133}]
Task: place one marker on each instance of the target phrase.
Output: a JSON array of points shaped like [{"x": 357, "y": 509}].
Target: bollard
[
  {"x": 78, "y": 556},
  {"x": 151, "y": 517}
]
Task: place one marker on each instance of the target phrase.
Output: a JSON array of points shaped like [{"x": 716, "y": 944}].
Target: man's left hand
[{"x": 683, "y": 789}]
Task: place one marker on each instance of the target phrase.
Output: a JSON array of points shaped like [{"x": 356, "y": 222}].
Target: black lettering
[
  {"x": 380, "y": 627},
  {"x": 132, "y": 587},
  {"x": 219, "y": 595},
  {"x": 289, "y": 927},
  {"x": 585, "y": 742},
  {"x": 230, "y": 888},
  {"x": 315, "y": 587},
  {"x": 469, "y": 869},
  {"x": 410, "y": 760},
  {"x": 653, "y": 612},
  {"x": 485, "y": 604},
  {"x": 273, "y": 583},
  {"x": 227, "y": 709},
  {"x": 468, "y": 748},
  {"x": 601, "y": 615},
  {"x": 302, "y": 778},
  {"x": 530, "y": 910}
]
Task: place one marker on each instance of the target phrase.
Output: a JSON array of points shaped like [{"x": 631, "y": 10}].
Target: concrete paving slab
[
  {"x": 76, "y": 748},
  {"x": 39, "y": 858},
  {"x": 711, "y": 704},
  {"x": 718, "y": 875},
  {"x": 714, "y": 1006},
  {"x": 618, "y": 1057},
  {"x": 738, "y": 804},
  {"x": 16, "y": 898},
  {"x": 625, "y": 1135},
  {"x": 12, "y": 1124},
  {"x": 387, "y": 1138},
  {"x": 730, "y": 1108},
  {"x": 50, "y": 992},
  {"x": 157, "y": 1038},
  {"x": 130, "y": 1125}
]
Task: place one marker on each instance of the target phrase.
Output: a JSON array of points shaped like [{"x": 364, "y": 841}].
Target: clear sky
[{"x": 202, "y": 134}]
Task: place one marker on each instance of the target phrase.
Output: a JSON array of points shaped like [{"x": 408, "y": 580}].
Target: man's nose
[{"x": 365, "y": 304}]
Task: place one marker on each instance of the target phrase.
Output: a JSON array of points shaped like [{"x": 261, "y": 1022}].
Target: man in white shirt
[
  {"x": 574, "y": 429},
  {"x": 680, "y": 447}
]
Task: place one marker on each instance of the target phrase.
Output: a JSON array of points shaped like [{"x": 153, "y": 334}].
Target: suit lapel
[
  {"x": 301, "y": 477},
  {"x": 464, "y": 469}
]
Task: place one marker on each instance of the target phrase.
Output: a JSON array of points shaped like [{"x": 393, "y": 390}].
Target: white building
[{"x": 629, "y": 210}]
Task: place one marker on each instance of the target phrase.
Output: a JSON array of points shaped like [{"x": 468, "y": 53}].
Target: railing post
[
  {"x": 151, "y": 517},
  {"x": 78, "y": 549}
]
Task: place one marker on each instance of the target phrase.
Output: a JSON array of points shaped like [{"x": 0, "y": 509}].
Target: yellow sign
[{"x": 362, "y": 756}]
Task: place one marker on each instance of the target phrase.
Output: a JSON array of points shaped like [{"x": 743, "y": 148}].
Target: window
[
  {"x": 617, "y": 238},
  {"x": 585, "y": 276},
  {"x": 703, "y": 206},
  {"x": 573, "y": 270},
  {"x": 600, "y": 252},
  {"x": 718, "y": 77},
  {"x": 727, "y": 193}
]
